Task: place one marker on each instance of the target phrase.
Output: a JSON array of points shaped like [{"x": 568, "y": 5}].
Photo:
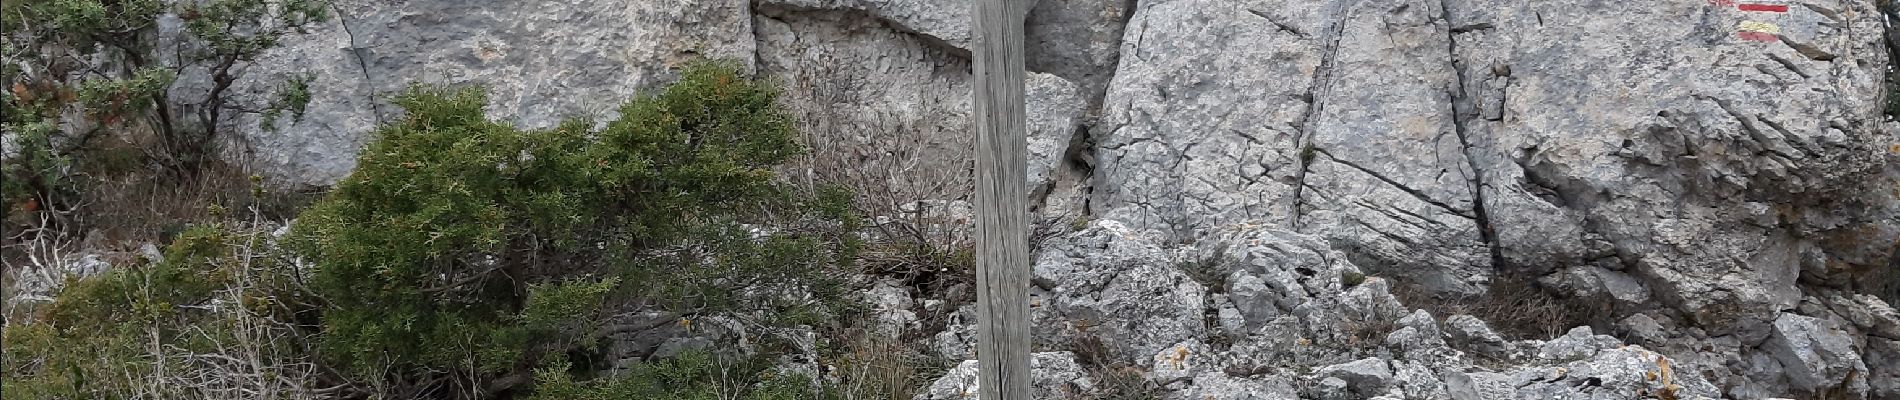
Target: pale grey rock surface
[
  {"x": 1074, "y": 39},
  {"x": 1420, "y": 138},
  {"x": 957, "y": 341},
  {"x": 1055, "y": 109},
  {"x": 1644, "y": 158},
  {"x": 944, "y": 22},
  {"x": 1331, "y": 340},
  {"x": 1053, "y": 375},
  {"x": 1479, "y": 386},
  {"x": 542, "y": 61},
  {"x": 899, "y": 101},
  {"x": 1472, "y": 333},
  {"x": 1610, "y": 373},
  {"x": 1816, "y": 355},
  {"x": 1078, "y": 40},
  {"x": 1732, "y": 202},
  {"x": 892, "y": 308},
  {"x": 1598, "y": 283},
  {"x": 1883, "y": 362},
  {"x": 1365, "y": 377},
  {"x": 1221, "y": 386},
  {"x": 39, "y": 282},
  {"x": 1121, "y": 288}
]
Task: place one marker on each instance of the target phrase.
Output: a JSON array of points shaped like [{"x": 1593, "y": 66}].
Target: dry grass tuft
[
  {"x": 1114, "y": 379},
  {"x": 882, "y": 368},
  {"x": 909, "y": 163},
  {"x": 1516, "y": 306}
]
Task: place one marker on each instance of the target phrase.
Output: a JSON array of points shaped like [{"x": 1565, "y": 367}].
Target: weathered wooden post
[{"x": 1002, "y": 245}]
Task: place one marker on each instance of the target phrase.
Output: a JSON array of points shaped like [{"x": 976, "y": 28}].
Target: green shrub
[
  {"x": 149, "y": 294},
  {"x": 98, "y": 328},
  {"x": 294, "y": 97},
  {"x": 36, "y": 172},
  {"x": 73, "y": 172},
  {"x": 454, "y": 228},
  {"x": 103, "y": 56},
  {"x": 162, "y": 330},
  {"x": 1351, "y": 278}
]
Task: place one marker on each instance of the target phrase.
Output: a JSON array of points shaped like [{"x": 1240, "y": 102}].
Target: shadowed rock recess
[{"x": 1299, "y": 199}]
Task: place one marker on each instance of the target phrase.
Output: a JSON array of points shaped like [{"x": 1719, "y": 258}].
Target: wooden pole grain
[{"x": 1002, "y": 246}]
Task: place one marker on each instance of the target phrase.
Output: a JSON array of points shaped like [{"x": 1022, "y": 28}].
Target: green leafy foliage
[
  {"x": 100, "y": 56},
  {"x": 293, "y": 97},
  {"x": 212, "y": 21},
  {"x": 114, "y": 99},
  {"x": 1351, "y": 278},
  {"x": 151, "y": 293},
  {"x": 554, "y": 310},
  {"x": 36, "y": 171},
  {"x": 115, "y": 335},
  {"x": 84, "y": 23},
  {"x": 456, "y": 234}
]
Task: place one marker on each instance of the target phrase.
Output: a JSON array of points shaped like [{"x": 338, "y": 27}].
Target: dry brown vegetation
[
  {"x": 911, "y": 170},
  {"x": 1114, "y": 379},
  {"x": 1515, "y": 306}
]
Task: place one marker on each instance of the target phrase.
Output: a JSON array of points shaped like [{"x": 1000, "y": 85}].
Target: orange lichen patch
[
  {"x": 1084, "y": 324},
  {"x": 686, "y": 323},
  {"x": 486, "y": 53},
  {"x": 1179, "y": 358},
  {"x": 1669, "y": 387}
]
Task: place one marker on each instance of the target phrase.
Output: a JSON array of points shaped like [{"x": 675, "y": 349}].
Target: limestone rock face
[
  {"x": 543, "y": 62},
  {"x": 1074, "y": 39},
  {"x": 1467, "y": 136},
  {"x": 1121, "y": 288},
  {"x": 945, "y": 22},
  {"x": 902, "y": 64},
  {"x": 1329, "y": 339},
  {"x": 1263, "y": 175},
  {"x": 1643, "y": 157}
]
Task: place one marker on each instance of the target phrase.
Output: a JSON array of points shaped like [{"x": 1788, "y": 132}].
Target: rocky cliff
[{"x": 1718, "y": 184}]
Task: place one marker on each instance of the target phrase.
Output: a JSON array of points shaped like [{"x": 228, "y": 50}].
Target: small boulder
[
  {"x": 1479, "y": 386},
  {"x": 1366, "y": 376},
  {"x": 1643, "y": 330},
  {"x": 891, "y": 305},
  {"x": 1580, "y": 343},
  {"x": 1816, "y": 355},
  {"x": 1472, "y": 334}
]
